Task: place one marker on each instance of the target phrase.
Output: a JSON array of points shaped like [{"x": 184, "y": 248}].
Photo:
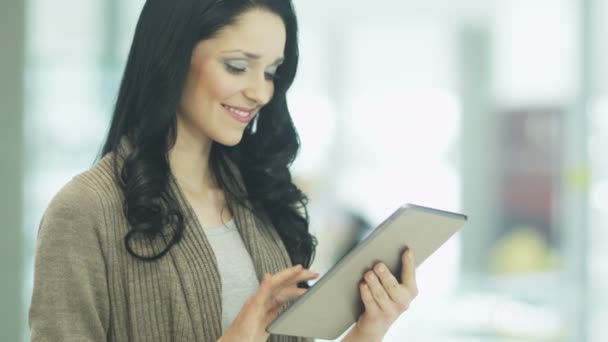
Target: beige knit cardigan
[{"x": 87, "y": 287}]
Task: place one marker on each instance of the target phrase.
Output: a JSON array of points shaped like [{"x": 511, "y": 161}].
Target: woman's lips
[{"x": 242, "y": 115}]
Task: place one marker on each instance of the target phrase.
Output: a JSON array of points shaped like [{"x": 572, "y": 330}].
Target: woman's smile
[{"x": 241, "y": 114}]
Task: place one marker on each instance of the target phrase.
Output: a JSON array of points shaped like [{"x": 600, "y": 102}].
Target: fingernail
[
  {"x": 381, "y": 268},
  {"x": 408, "y": 252}
]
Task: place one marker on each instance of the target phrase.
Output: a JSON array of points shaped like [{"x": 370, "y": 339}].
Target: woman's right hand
[{"x": 264, "y": 305}]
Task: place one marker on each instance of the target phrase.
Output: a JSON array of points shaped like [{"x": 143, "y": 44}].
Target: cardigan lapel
[{"x": 196, "y": 264}]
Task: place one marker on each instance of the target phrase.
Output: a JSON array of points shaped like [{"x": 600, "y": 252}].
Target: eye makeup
[{"x": 240, "y": 66}]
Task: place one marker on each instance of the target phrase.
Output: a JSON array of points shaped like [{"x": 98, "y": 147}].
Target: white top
[{"x": 238, "y": 277}]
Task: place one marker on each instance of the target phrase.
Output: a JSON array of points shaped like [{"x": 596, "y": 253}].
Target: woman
[{"x": 188, "y": 226}]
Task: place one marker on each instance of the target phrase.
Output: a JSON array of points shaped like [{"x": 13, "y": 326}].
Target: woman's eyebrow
[{"x": 253, "y": 55}]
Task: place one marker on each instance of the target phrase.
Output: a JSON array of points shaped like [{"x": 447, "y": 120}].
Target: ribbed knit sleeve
[{"x": 70, "y": 300}]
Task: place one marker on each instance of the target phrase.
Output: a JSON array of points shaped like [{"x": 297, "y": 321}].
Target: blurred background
[{"x": 494, "y": 108}]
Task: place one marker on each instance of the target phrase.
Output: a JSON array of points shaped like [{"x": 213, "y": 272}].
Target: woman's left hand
[{"x": 384, "y": 298}]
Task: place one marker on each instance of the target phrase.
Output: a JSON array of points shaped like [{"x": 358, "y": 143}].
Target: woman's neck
[{"x": 189, "y": 162}]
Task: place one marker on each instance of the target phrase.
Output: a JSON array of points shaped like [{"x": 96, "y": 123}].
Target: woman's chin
[{"x": 230, "y": 139}]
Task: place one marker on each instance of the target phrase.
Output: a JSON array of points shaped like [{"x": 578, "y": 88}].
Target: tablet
[{"x": 333, "y": 303}]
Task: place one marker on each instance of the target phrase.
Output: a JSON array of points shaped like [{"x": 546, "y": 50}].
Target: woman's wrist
[
  {"x": 229, "y": 336},
  {"x": 356, "y": 335}
]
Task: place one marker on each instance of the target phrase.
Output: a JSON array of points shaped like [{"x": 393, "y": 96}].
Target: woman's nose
[{"x": 259, "y": 90}]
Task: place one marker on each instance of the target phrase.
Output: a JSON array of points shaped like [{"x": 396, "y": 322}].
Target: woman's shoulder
[
  {"x": 88, "y": 192},
  {"x": 100, "y": 179}
]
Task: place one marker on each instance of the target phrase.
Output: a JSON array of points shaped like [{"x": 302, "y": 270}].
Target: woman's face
[{"x": 231, "y": 78}]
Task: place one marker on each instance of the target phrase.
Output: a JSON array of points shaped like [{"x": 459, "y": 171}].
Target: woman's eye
[
  {"x": 235, "y": 68},
  {"x": 271, "y": 76},
  {"x": 271, "y": 73}
]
